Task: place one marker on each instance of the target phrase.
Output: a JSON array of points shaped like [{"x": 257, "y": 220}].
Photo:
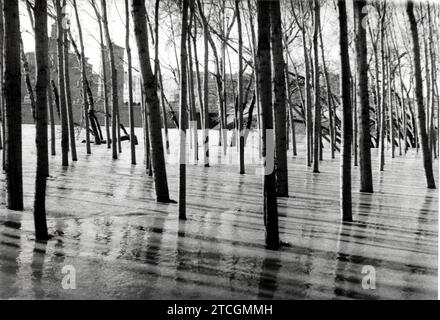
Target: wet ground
[{"x": 124, "y": 245}]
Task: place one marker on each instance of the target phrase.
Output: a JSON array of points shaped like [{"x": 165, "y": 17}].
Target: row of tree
[{"x": 372, "y": 108}]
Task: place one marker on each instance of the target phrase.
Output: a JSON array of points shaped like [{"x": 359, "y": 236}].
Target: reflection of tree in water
[
  {"x": 348, "y": 270},
  {"x": 37, "y": 268},
  {"x": 268, "y": 283},
  {"x": 10, "y": 249}
]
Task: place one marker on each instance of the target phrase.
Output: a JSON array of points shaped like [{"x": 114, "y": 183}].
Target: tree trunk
[
  {"x": 71, "y": 122},
  {"x": 12, "y": 87},
  {"x": 366, "y": 176},
  {"x": 62, "y": 92},
  {"x": 279, "y": 85},
  {"x": 88, "y": 114},
  {"x": 191, "y": 89},
  {"x": 206, "y": 96},
  {"x": 347, "y": 120},
  {"x": 2, "y": 93},
  {"x": 52, "y": 119},
  {"x": 257, "y": 90},
  {"x": 331, "y": 125},
  {"x": 130, "y": 84},
  {"x": 240, "y": 87},
  {"x": 317, "y": 125},
  {"x": 104, "y": 76},
  {"x": 183, "y": 112},
  {"x": 382, "y": 130},
  {"x": 150, "y": 88},
  {"x": 265, "y": 75},
  {"x": 114, "y": 82},
  {"x": 41, "y": 53},
  {"x": 427, "y": 160}
]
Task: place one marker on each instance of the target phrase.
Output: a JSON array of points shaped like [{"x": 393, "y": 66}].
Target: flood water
[{"x": 123, "y": 245}]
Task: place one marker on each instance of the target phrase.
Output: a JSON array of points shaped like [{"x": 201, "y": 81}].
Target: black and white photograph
[{"x": 236, "y": 152}]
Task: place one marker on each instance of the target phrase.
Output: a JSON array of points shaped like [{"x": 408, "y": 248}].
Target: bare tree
[
  {"x": 347, "y": 120},
  {"x": 12, "y": 91},
  {"x": 104, "y": 75},
  {"x": 114, "y": 81},
  {"x": 427, "y": 159},
  {"x": 265, "y": 75},
  {"x": 41, "y": 50},
  {"x": 150, "y": 88},
  {"x": 66, "y": 65},
  {"x": 183, "y": 111},
  {"x": 279, "y": 101},
  {"x": 366, "y": 177},
  {"x": 317, "y": 102},
  {"x": 82, "y": 61},
  {"x": 130, "y": 84},
  {"x": 61, "y": 85}
]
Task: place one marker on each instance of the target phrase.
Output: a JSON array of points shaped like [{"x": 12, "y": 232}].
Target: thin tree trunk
[
  {"x": 104, "y": 76},
  {"x": 427, "y": 160},
  {"x": 347, "y": 120},
  {"x": 52, "y": 120},
  {"x": 355, "y": 119},
  {"x": 71, "y": 121},
  {"x": 366, "y": 176},
  {"x": 191, "y": 90},
  {"x": 329, "y": 96},
  {"x": 2, "y": 93},
  {"x": 383, "y": 92},
  {"x": 114, "y": 82},
  {"x": 12, "y": 87},
  {"x": 240, "y": 87},
  {"x": 82, "y": 60},
  {"x": 183, "y": 111},
  {"x": 206, "y": 95},
  {"x": 257, "y": 90},
  {"x": 61, "y": 87},
  {"x": 41, "y": 50},
  {"x": 279, "y": 85},
  {"x": 317, "y": 125},
  {"x": 150, "y": 88},
  {"x": 265, "y": 75},
  {"x": 130, "y": 84}
]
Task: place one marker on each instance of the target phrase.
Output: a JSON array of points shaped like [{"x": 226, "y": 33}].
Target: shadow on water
[
  {"x": 268, "y": 283},
  {"x": 37, "y": 268},
  {"x": 348, "y": 270},
  {"x": 10, "y": 250}
]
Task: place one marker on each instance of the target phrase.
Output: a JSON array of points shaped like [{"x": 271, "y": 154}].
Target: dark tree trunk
[
  {"x": 279, "y": 86},
  {"x": 265, "y": 75},
  {"x": 183, "y": 112},
  {"x": 130, "y": 85},
  {"x": 41, "y": 50},
  {"x": 150, "y": 87},
  {"x": 347, "y": 120},
  {"x": 66, "y": 57},
  {"x": 366, "y": 176},
  {"x": 2, "y": 102},
  {"x": 206, "y": 95},
  {"x": 240, "y": 87},
  {"x": 12, "y": 87},
  {"x": 427, "y": 159},
  {"x": 317, "y": 124},
  {"x": 114, "y": 81},
  {"x": 62, "y": 92}
]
